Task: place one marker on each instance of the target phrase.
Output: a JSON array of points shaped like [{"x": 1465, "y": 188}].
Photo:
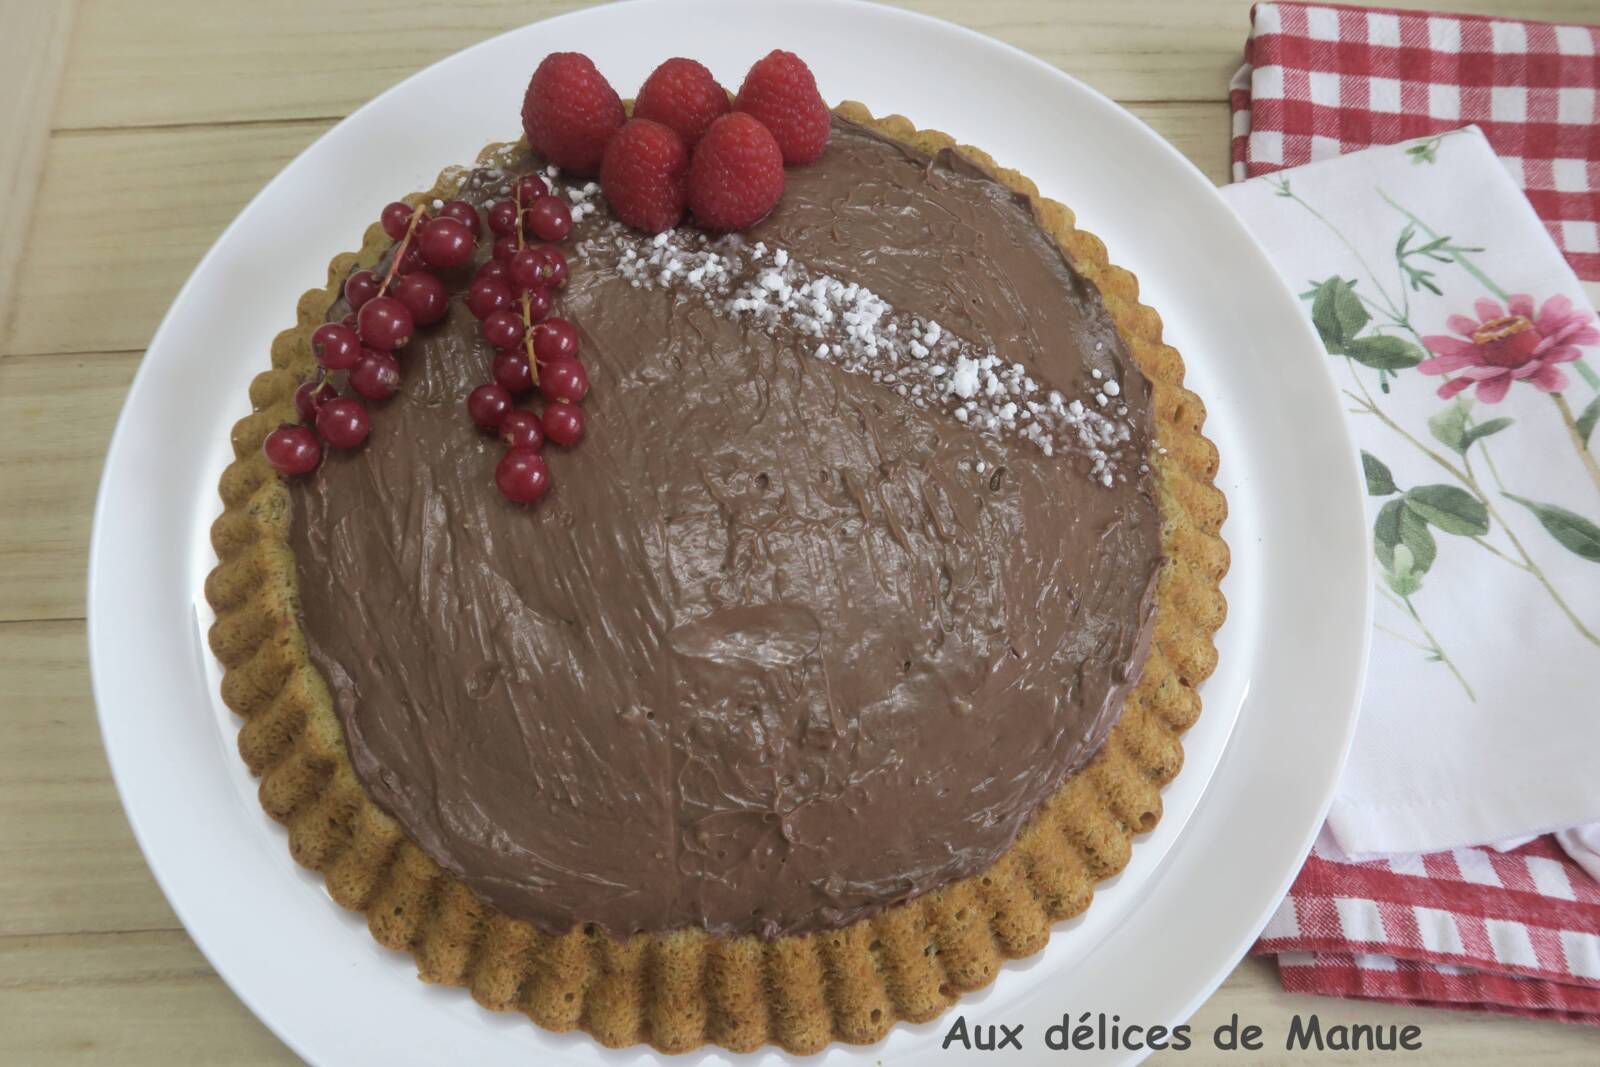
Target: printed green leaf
[
  {"x": 1379, "y": 481},
  {"x": 1482, "y": 430},
  {"x": 1587, "y": 420},
  {"x": 1449, "y": 424},
  {"x": 1383, "y": 352},
  {"x": 1449, "y": 508},
  {"x": 1574, "y": 531},
  {"x": 1386, "y": 532},
  {"x": 1401, "y": 540},
  {"x": 1337, "y": 314},
  {"x": 1403, "y": 576},
  {"x": 1406, "y": 234},
  {"x": 1415, "y": 538}
]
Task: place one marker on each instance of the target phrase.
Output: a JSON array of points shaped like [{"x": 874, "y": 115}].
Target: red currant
[
  {"x": 445, "y": 242},
  {"x": 531, "y": 187},
  {"x": 512, "y": 373},
  {"x": 336, "y": 346},
  {"x": 505, "y": 248},
  {"x": 486, "y": 296},
  {"x": 411, "y": 259},
  {"x": 563, "y": 379},
  {"x": 360, "y": 287},
  {"x": 377, "y": 376},
  {"x": 503, "y": 328},
  {"x": 503, "y": 218},
  {"x": 526, "y": 268},
  {"x": 555, "y": 339},
  {"x": 344, "y": 423},
  {"x": 522, "y": 476},
  {"x": 489, "y": 404},
  {"x": 548, "y": 218},
  {"x": 463, "y": 213},
  {"x": 424, "y": 296},
  {"x": 396, "y": 218},
  {"x": 563, "y": 423},
  {"x": 493, "y": 268},
  {"x": 538, "y": 304},
  {"x": 384, "y": 323},
  {"x": 292, "y": 450},
  {"x": 555, "y": 266},
  {"x": 521, "y": 429},
  {"x": 309, "y": 398}
]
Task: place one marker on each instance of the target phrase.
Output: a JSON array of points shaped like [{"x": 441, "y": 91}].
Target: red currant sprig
[
  {"x": 383, "y": 316},
  {"x": 512, "y": 295}
]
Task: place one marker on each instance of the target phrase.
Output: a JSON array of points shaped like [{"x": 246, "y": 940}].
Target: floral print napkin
[{"x": 1468, "y": 361}]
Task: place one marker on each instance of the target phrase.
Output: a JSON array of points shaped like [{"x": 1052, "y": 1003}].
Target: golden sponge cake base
[{"x": 680, "y": 990}]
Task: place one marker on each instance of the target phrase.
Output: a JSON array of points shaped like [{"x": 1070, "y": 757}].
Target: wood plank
[
  {"x": 175, "y": 192},
  {"x": 144, "y": 64},
  {"x": 56, "y": 416},
  {"x": 190, "y": 182},
  {"x": 127, "y": 999},
  {"x": 292, "y": 66},
  {"x": 1201, "y": 131},
  {"x": 33, "y": 50},
  {"x": 68, "y": 861}
]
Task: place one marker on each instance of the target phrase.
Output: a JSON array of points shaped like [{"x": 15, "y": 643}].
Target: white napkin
[{"x": 1481, "y": 715}]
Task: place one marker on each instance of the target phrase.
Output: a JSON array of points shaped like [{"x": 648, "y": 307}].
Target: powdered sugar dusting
[
  {"x": 851, "y": 327},
  {"x": 584, "y": 198}
]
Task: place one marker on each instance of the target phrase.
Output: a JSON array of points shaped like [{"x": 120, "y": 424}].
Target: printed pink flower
[{"x": 1510, "y": 344}]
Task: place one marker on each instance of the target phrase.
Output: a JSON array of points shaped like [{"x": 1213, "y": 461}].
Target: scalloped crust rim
[{"x": 681, "y": 990}]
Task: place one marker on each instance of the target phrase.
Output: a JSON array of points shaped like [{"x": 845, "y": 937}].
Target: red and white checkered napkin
[
  {"x": 1514, "y": 932},
  {"x": 1320, "y": 80}
]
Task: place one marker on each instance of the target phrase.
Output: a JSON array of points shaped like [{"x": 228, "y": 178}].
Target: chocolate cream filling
[{"x": 781, "y": 648}]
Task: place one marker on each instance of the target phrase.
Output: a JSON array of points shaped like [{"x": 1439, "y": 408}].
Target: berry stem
[
  {"x": 527, "y": 340},
  {"x": 400, "y": 249},
  {"x": 523, "y": 301}
]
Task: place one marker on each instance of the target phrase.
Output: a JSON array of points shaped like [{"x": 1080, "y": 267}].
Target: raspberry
[
  {"x": 570, "y": 112},
  {"x": 645, "y": 175},
  {"x": 736, "y": 174},
  {"x": 782, "y": 95},
  {"x": 682, "y": 94}
]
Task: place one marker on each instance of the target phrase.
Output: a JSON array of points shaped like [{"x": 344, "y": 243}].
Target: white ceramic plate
[{"x": 1261, "y": 763}]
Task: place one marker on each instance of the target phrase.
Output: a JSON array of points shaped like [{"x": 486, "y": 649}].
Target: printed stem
[
  {"x": 1467, "y": 479},
  {"x": 1369, "y": 407},
  {"x": 1571, "y": 424},
  {"x": 1483, "y": 446},
  {"x": 1460, "y": 258},
  {"x": 1432, "y": 647},
  {"x": 1400, "y": 323},
  {"x": 1466, "y": 462},
  {"x": 1398, "y": 636},
  {"x": 1438, "y": 650},
  {"x": 1393, "y": 311},
  {"x": 1493, "y": 551}
]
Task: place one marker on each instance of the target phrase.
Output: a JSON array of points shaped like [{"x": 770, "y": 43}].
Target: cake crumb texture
[{"x": 681, "y": 990}]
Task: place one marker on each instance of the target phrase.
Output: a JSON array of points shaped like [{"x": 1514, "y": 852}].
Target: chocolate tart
[{"x": 822, "y": 832}]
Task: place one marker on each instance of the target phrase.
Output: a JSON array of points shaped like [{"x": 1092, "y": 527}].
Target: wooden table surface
[{"x": 130, "y": 134}]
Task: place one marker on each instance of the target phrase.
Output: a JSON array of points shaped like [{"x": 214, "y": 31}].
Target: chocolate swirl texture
[{"x": 774, "y": 654}]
